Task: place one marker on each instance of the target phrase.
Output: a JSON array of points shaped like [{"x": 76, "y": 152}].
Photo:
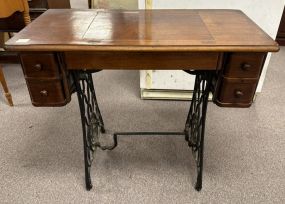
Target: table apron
[{"x": 143, "y": 60}]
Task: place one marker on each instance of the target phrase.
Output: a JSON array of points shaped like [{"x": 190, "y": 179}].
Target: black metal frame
[
  {"x": 196, "y": 119},
  {"x": 92, "y": 122},
  {"x": 93, "y": 125}
]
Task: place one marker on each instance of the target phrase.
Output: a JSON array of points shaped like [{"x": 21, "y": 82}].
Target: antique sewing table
[{"x": 223, "y": 48}]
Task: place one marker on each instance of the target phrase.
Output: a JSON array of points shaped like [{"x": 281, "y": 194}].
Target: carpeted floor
[{"x": 41, "y": 157}]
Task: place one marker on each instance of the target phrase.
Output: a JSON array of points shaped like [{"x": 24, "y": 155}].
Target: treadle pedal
[{"x": 107, "y": 140}]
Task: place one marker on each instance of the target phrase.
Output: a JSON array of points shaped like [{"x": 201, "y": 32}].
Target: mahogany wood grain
[
  {"x": 236, "y": 92},
  {"x": 142, "y": 60},
  {"x": 143, "y": 30},
  {"x": 247, "y": 65},
  {"x": 47, "y": 80},
  {"x": 43, "y": 66},
  {"x": 223, "y": 40},
  {"x": 47, "y": 92}
]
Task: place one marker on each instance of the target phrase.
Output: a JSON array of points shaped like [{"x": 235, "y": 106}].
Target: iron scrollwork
[
  {"x": 195, "y": 123},
  {"x": 92, "y": 122},
  {"x": 93, "y": 125}
]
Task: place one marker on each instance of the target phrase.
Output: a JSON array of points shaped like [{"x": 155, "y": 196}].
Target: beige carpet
[{"x": 41, "y": 157}]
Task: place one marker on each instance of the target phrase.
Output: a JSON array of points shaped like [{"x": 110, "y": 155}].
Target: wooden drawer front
[
  {"x": 236, "y": 92},
  {"x": 47, "y": 93},
  {"x": 246, "y": 65},
  {"x": 40, "y": 66}
]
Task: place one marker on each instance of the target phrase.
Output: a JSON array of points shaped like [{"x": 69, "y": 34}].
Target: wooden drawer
[
  {"x": 47, "y": 93},
  {"x": 40, "y": 66},
  {"x": 236, "y": 92},
  {"x": 246, "y": 65}
]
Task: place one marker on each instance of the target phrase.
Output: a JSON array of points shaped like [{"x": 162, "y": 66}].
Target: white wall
[
  {"x": 79, "y": 3},
  {"x": 111, "y": 4},
  {"x": 265, "y": 13}
]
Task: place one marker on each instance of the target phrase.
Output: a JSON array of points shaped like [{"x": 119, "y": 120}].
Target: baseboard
[{"x": 167, "y": 94}]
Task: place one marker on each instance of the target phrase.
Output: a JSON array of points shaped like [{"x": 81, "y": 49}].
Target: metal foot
[
  {"x": 88, "y": 181},
  {"x": 198, "y": 185},
  {"x": 195, "y": 123},
  {"x": 103, "y": 130}
]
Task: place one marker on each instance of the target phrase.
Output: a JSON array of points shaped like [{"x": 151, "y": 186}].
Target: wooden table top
[{"x": 142, "y": 30}]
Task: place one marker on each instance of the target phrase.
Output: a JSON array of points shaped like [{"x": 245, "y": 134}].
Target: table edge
[{"x": 65, "y": 48}]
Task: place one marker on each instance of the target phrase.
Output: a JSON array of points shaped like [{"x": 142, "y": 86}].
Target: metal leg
[
  {"x": 195, "y": 123},
  {"x": 92, "y": 122},
  {"x": 93, "y": 125}
]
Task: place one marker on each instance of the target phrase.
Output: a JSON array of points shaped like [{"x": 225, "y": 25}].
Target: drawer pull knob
[
  {"x": 238, "y": 94},
  {"x": 245, "y": 67},
  {"x": 38, "y": 67},
  {"x": 44, "y": 92}
]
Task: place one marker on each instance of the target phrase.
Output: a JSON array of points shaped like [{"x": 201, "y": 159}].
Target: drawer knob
[
  {"x": 38, "y": 67},
  {"x": 44, "y": 93},
  {"x": 245, "y": 67},
  {"x": 238, "y": 94}
]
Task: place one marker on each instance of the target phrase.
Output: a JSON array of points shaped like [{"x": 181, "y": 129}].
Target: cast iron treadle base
[
  {"x": 91, "y": 118},
  {"x": 195, "y": 123},
  {"x": 92, "y": 122}
]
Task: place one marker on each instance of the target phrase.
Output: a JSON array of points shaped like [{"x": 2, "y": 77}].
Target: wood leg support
[{"x": 5, "y": 87}]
